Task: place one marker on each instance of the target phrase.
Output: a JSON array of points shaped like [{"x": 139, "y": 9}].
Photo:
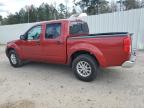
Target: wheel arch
[
  {"x": 8, "y": 50},
  {"x": 77, "y": 53},
  {"x": 13, "y": 47},
  {"x": 87, "y": 49}
]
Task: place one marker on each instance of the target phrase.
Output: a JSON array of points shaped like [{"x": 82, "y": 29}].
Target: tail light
[{"x": 127, "y": 44}]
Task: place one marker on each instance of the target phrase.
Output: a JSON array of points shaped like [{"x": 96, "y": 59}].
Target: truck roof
[{"x": 59, "y": 20}]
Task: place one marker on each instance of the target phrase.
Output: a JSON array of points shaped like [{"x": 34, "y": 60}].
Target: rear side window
[
  {"x": 79, "y": 27},
  {"x": 53, "y": 30}
]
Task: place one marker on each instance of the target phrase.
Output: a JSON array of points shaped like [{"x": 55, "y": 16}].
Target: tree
[
  {"x": 92, "y": 7},
  {"x": 131, "y": 4},
  {"x": 142, "y": 3},
  {"x": 0, "y": 18},
  {"x": 73, "y": 11},
  {"x": 83, "y": 4},
  {"x": 32, "y": 14},
  {"x": 62, "y": 10},
  {"x": 48, "y": 12},
  {"x": 103, "y": 7},
  {"x": 23, "y": 16},
  {"x": 113, "y": 6},
  {"x": 53, "y": 12}
]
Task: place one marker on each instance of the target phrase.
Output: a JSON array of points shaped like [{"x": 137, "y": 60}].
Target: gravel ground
[{"x": 39, "y": 85}]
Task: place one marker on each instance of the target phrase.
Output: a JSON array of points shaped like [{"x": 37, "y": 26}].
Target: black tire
[
  {"x": 85, "y": 58},
  {"x": 18, "y": 61}
]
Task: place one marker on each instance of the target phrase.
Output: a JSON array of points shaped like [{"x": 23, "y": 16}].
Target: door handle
[
  {"x": 38, "y": 42},
  {"x": 59, "y": 42}
]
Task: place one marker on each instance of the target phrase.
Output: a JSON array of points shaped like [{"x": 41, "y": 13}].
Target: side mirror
[{"x": 22, "y": 37}]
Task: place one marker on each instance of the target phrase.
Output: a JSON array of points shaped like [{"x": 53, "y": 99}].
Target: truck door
[
  {"x": 54, "y": 46},
  {"x": 31, "y": 46}
]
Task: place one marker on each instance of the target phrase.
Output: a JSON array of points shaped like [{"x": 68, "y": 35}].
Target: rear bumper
[{"x": 131, "y": 61}]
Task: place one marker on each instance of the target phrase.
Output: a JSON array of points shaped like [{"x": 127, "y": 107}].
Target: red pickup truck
[{"x": 69, "y": 42}]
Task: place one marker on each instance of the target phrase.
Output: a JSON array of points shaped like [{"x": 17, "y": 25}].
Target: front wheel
[
  {"x": 85, "y": 67},
  {"x": 14, "y": 59}
]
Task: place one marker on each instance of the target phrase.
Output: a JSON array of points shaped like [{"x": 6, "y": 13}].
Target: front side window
[
  {"x": 34, "y": 33},
  {"x": 53, "y": 30}
]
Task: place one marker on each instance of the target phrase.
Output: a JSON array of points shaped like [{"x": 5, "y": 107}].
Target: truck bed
[{"x": 108, "y": 47}]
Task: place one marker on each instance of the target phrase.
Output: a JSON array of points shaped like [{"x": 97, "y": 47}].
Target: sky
[{"x": 12, "y": 6}]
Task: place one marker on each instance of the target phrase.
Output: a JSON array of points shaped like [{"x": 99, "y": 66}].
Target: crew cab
[{"x": 69, "y": 42}]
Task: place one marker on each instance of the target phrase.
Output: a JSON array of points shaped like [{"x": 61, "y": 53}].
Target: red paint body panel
[{"x": 108, "y": 50}]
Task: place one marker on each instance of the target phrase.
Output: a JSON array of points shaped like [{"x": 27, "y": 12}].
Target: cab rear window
[{"x": 79, "y": 27}]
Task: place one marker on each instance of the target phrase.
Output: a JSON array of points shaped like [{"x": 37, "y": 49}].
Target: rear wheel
[
  {"x": 85, "y": 67},
  {"x": 14, "y": 59}
]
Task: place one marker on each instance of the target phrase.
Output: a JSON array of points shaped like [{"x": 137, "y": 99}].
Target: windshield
[{"x": 78, "y": 27}]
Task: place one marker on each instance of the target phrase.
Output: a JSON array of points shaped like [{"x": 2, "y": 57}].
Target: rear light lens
[{"x": 127, "y": 44}]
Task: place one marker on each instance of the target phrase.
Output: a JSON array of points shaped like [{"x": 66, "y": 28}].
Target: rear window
[{"x": 79, "y": 27}]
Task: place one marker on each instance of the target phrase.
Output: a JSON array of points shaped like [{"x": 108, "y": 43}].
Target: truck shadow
[
  {"x": 108, "y": 74},
  {"x": 52, "y": 69},
  {"x": 111, "y": 75}
]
